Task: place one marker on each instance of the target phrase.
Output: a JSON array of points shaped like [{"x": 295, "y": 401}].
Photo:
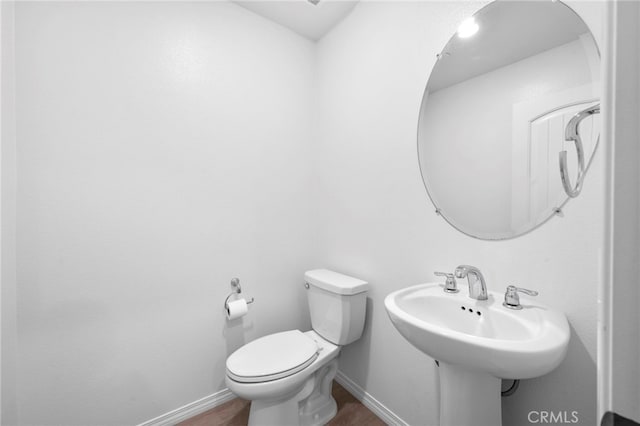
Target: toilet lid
[{"x": 272, "y": 357}]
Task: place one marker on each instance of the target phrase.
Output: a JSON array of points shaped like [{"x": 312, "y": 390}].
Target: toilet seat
[{"x": 272, "y": 357}]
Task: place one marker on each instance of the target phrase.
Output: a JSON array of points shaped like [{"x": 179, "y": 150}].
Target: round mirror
[{"x": 495, "y": 112}]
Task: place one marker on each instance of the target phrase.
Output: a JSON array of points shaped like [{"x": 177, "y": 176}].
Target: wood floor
[{"x": 351, "y": 412}]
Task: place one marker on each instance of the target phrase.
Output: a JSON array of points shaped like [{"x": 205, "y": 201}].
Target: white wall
[
  {"x": 381, "y": 226},
  {"x": 161, "y": 152},
  {"x": 8, "y": 213}
]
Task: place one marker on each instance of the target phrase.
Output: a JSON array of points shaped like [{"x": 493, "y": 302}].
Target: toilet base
[
  {"x": 310, "y": 405},
  {"x": 320, "y": 407},
  {"x": 272, "y": 413}
]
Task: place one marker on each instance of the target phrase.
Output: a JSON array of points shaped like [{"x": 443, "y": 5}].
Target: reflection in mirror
[{"x": 494, "y": 113}]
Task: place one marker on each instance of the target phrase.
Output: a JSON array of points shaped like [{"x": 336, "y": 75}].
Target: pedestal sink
[{"x": 478, "y": 343}]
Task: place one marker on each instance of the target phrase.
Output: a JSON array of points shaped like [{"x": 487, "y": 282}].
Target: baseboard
[
  {"x": 208, "y": 402},
  {"x": 192, "y": 409},
  {"x": 386, "y": 415}
]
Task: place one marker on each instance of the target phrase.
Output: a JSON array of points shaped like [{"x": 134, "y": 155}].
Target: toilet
[{"x": 287, "y": 376}]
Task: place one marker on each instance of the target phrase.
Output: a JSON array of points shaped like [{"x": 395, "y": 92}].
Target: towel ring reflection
[{"x": 572, "y": 134}]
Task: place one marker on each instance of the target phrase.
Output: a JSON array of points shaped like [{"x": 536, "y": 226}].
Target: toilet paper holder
[{"x": 235, "y": 289}]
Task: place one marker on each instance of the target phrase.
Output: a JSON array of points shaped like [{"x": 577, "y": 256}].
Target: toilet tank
[{"x": 337, "y": 304}]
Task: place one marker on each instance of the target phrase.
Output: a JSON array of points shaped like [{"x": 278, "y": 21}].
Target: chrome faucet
[{"x": 477, "y": 286}]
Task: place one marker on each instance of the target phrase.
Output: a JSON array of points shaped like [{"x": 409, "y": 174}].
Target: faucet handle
[
  {"x": 512, "y": 299},
  {"x": 450, "y": 285}
]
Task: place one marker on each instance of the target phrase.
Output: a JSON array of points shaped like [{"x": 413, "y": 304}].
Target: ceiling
[{"x": 302, "y": 16}]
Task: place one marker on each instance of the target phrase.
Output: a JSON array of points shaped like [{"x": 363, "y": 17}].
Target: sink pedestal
[{"x": 468, "y": 398}]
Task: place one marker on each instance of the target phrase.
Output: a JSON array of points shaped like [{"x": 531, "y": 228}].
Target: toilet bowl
[
  {"x": 287, "y": 376},
  {"x": 298, "y": 390}
]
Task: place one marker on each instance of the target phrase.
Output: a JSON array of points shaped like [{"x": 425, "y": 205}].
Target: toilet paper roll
[{"x": 236, "y": 308}]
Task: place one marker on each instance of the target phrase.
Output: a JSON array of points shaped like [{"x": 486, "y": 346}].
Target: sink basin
[
  {"x": 477, "y": 343},
  {"x": 480, "y": 334}
]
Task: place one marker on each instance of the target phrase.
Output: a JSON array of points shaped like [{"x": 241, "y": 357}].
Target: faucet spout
[{"x": 477, "y": 286}]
